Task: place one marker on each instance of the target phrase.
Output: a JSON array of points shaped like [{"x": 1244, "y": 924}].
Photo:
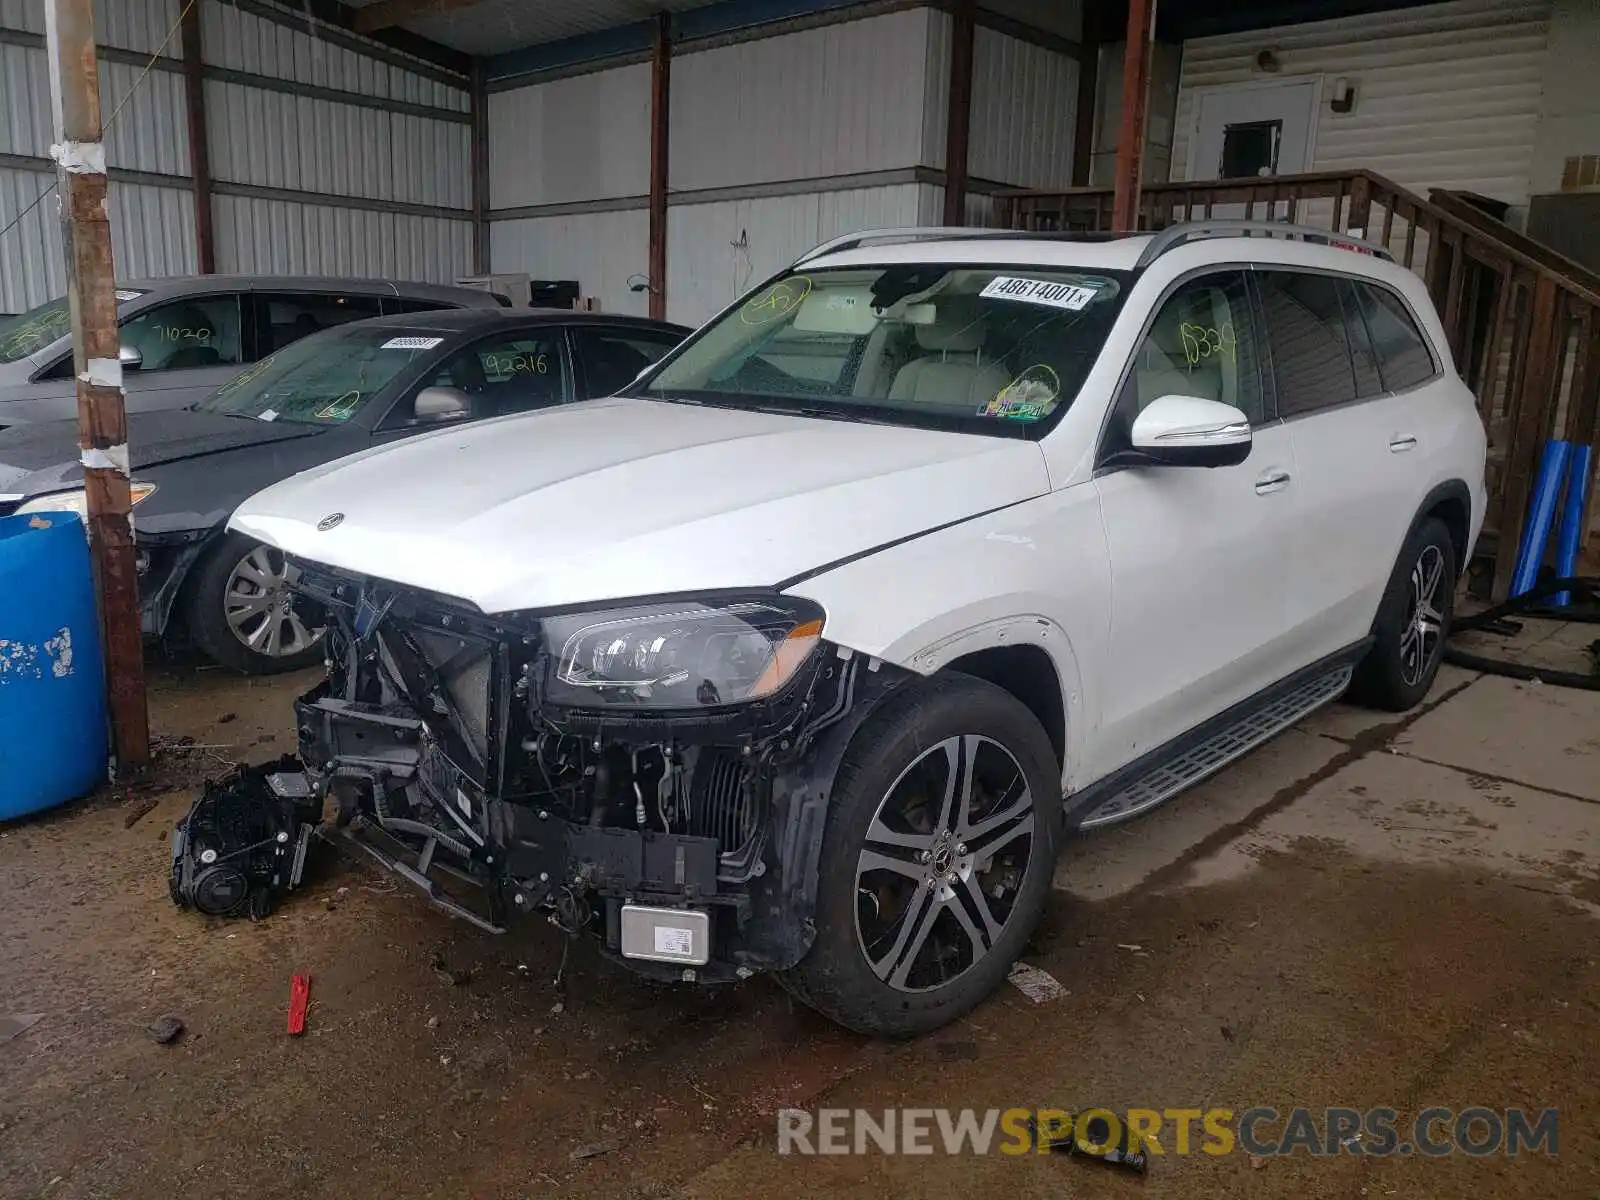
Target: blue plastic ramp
[{"x": 53, "y": 739}]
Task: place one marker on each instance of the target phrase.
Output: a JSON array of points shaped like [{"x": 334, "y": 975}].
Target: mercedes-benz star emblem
[{"x": 329, "y": 521}]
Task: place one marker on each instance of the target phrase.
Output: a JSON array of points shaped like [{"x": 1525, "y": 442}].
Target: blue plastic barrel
[{"x": 53, "y": 741}]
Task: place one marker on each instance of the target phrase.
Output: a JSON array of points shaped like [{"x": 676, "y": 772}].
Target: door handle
[
  {"x": 1401, "y": 442},
  {"x": 1271, "y": 481}
]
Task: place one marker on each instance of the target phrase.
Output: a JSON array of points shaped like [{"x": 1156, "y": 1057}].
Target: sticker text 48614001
[{"x": 1070, "y": 296}]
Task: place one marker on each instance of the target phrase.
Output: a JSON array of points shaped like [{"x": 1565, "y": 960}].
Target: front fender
[
  {"x": 930, "y": 649},
  {"x": 1034, "y": 574}
]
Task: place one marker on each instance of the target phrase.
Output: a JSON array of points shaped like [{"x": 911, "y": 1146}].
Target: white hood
[{"x": 619, "y": 498}]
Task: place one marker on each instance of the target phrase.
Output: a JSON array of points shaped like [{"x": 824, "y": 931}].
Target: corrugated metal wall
[
  {"x": 1024, "y": 112},
  {"x": 601, "y": 250},
  {"x": 1446, "y": 95},
  {"x": 31, "y": 266},
  {"x": 582, "y": 138},
  {"x": 799, "y": 114},
  {"x": 151, "y": 234},
  {"x": 278, "y": 237},
  {"x": 331, "y": 149},
  {"x": 258, "y": 137},
  {"x": 1063, "y": 17},
  {"x": 245, "y": 42},
  {"x": 717, "y": 250},
  {"x": 1024, "y": 106},
  {"x": 334, "y": 149},
  {"x": 833, "y": 101},
  {"x": 150, "y": 133}
]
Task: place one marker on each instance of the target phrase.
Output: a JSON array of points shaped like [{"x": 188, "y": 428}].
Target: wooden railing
[{"x": 1523, "y": 323}]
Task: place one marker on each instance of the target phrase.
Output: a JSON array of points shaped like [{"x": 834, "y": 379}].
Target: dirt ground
[{"x": 1370, "y": 911}]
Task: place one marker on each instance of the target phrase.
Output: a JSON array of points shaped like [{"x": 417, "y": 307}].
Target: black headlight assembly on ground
[{"x": 244, "y": 841}]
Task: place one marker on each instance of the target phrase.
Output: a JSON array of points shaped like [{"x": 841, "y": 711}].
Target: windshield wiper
[
  {"x": 821, "y": 413},
  {"x": 743, "y": 402}
]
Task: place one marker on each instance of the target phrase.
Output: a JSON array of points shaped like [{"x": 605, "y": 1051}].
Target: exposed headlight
[
  {"x": 76, "y": 502},
  {"x": 680, "y": 655}
]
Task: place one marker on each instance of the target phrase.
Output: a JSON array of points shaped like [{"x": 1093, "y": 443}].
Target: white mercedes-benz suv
[{"x": 804, "y": 653}]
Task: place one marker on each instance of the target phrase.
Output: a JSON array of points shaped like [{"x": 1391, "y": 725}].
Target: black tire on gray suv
[
  {"x": 1412, "y": 624},
  {"x": 936, "y": 861}
]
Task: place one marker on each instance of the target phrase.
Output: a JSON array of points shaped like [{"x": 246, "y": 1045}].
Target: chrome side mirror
[
  {"x": 1187, "y": 431},
  {"x": 435, "y": 404},
  {"x": 131, "y": 358}
]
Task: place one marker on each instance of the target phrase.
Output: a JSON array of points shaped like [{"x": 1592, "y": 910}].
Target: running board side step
[{"x": 1157, "y": 777}]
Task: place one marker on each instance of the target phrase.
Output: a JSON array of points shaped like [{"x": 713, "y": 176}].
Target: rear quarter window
[
  {"x": 1404, "y": 358},
  {"x": 1309, "y": 339}
]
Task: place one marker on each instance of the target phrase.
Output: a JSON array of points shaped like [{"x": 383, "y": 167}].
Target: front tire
[
  {"x": 936, "y": 860},
  {"x": 1412, "y": 624},
  {"x": 241, "y": 613}
]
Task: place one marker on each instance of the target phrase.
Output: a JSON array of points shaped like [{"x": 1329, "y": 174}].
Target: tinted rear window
[
  {"x": 1309, "y": 339},
  {"x": 1403, "y": 354}
]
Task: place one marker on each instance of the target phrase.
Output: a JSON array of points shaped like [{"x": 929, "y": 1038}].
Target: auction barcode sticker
[
  {"x": 411, "y": 343},
  {"x": 1039, "y": 291}
]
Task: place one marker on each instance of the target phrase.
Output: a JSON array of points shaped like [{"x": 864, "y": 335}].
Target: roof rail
[
  {"x": 930, "y": 233},
  {"x": 1174, "y": 236},
  {"x": 941, "y": 233}
]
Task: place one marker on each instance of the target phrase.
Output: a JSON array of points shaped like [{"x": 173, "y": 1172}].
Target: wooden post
[
  {"x": 1135, "y": 99},
  {"x": 1530, "y": 427},
  {"x": 1088, "y": 95},
  {"x": 660, "y": 115},
  {"x": 205, "y": 245},
  {"x": 479, "y": 101},
  {"x": 1360, "y": 207},
  {"x": 958, "y": 124},
  {"x": 102, "y": 425}
]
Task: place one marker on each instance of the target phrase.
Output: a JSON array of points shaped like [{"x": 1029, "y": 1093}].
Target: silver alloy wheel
[
  {"x": 259, "y": 606},
  {"x": 1424, "y": 627},
  {"x": 943, "y": 861}
]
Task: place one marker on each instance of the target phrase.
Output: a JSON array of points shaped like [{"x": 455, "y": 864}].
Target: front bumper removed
[{"x": 496, "y": 860}]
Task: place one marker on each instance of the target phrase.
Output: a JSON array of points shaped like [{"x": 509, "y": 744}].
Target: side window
[
  {"x": 286, "y": 317},
  {"x": 613, "y": 357},
  {"x": 510, "y": 373},
  {"x": 1403, "y": 355},
  {"x": 1311, "y": 358},
  {"x": 1202, "y": 343},
  {"x": 1369, "y": 380},
  {"x": 410, "y": 304},
  {"x": 198, "y": 331}
]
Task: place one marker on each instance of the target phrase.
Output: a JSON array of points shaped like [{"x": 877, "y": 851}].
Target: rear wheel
[
  {"x": 936, "y": 861},
  {"x": 242, "y": 613},
  {"x": 1412, "y": 623}
]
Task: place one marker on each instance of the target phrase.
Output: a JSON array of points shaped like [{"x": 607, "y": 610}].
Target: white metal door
[
  {"x": 1255, "y": 129},
  {"x": 1199, "y": 559},
  {"x": 1361, "y": 476}
]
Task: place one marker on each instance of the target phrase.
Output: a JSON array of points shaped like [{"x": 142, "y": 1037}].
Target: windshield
[
  {"x": 987, "y": 345},
  {"x": 324, "y": 379},
  {"x": 35, "y": 329}
]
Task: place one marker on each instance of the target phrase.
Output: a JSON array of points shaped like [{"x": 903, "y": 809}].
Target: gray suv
[{"x": 184, "y": 338}]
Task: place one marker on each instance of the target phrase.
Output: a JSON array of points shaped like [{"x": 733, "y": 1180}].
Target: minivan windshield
[
  {"x": 35, "y": 329},
  {"x": 981, "y": 346},
  {"x": 324, "y": 379}
]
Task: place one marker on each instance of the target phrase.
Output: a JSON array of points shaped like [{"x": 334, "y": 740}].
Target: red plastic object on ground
[{"x": 299, "y": 1001}]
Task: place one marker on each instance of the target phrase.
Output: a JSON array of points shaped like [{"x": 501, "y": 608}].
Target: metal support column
[{"x": 1135, "y": 100}]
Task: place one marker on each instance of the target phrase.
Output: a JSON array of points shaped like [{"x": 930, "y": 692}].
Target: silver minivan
[{"x": 183, "y": 338}]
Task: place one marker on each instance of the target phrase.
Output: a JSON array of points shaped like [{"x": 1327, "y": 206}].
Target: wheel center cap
[{"x": 944, "y": 858}]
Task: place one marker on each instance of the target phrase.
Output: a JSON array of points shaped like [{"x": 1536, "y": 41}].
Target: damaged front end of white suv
[{"x": 652, "y": 775}]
